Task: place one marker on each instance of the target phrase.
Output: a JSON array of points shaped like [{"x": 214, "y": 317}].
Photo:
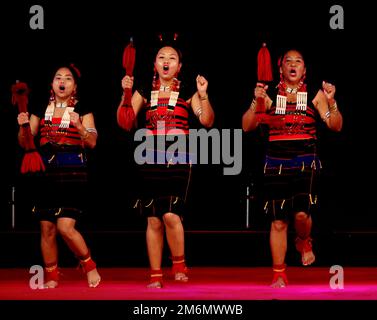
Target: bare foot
[
  {"x": 181, "y": 277},
  {"x": 50, "y": 284},
  {"x": 304, "y": 246},
  {"x": 155, "y": 285},
  {"x": 278, "y": 282},
  {"x": 93, "y": 278},
  {"x": 307, "y": 258}
]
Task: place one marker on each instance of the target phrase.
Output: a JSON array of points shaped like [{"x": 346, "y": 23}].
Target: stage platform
[{"x": 205, "y": 283}]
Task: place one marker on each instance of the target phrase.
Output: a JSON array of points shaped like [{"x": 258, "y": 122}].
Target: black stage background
[{"x": 220, "y": 42}]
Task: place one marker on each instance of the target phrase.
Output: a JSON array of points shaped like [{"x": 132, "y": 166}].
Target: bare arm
[
  {"x": 249, "y": 118},
  {"x": 126, "y": 114},
  {"x": 327, "y": 107},
  {"x": 200, "y": 103},
  {"x": 86, "y": 128},
  {"x": 203, "y": 110},
  {"x": 23, "y": 120}
]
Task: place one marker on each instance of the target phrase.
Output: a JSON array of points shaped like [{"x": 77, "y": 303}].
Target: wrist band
[
  {"x": 333, "y": 108},
  {"x": 253, "y": 105},
  {"x": 326, "y": 116}
]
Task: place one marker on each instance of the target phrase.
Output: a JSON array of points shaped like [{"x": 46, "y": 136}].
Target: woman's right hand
[
  {"x": 260, "y": 91},
  {"x": 23, "y": 118},
  {"x": 127, "y": 82}
]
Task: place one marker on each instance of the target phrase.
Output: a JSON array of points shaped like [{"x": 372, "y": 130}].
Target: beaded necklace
[
  {"x": 173, "y": 98},
  {"x": 297, "y": 122}
]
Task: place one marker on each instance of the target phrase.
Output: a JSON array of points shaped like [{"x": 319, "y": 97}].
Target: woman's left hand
[
  {"x": 75, "y": 119},
  {"x": 201, "y": 85},
  {"x": 329, "y": 90}
]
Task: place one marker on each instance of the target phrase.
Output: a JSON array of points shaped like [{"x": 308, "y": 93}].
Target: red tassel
[
  {"x": 125, "y": 115},
  {"x": 264, "y": 75},
  {"x": 32, "y": 161},
  {"x": 20, "y": 92},
  {"x": 264, "y": 64},
  {"x": 129, "y": 55}
]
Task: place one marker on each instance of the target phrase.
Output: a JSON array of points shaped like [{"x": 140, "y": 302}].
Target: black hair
[
  {"x": 168, "y": 39},
  {"x": 285, "y": 50},
  {"x": 72, "y": 68}
]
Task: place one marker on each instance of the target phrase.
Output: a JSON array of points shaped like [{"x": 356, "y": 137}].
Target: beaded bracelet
[
  {"x": 199, "y": 112},
  {"x": 326, "y": 116},
  {"x": 85, "y": 135},
  {"x": 253, "y": 105},
  {"x": 334, "y": 107}
]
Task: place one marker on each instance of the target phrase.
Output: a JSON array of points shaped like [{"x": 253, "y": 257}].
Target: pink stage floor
[{"x": 233, "y": 283}]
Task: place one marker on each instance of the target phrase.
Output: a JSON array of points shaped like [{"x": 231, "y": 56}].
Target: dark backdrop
[{"x": 220, "y": 43}]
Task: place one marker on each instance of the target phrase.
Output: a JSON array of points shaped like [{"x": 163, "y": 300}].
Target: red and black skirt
[
  {"x": 61, "y": 191},
  {"x": 163, "y": 183},
  {"x": 291, "y": 178}
]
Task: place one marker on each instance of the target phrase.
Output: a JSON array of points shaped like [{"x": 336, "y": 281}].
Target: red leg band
[
  {"x": 87, "y": 263},
  {"x": 156, "y": 276},
  {"x": 304, "y": 245},
  {"x": 279, "y": 271},
  {"x": 179, "y": 264},
  {"x": 51, "y": 272}
]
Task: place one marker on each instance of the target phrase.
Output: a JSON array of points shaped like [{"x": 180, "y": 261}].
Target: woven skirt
[
  {"x": 163, "y": 188},
  {"x": 291, "y": 178},
  {"x": 61, "y": 191}
]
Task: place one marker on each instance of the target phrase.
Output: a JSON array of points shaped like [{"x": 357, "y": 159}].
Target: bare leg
[
  {"x": 303, "y": 226},
  {"x": 174, "y": 234},
  {"x": 155, "y": 244},
  {"x": 75, "y": 241},
  {"x": 278, "y": 244},
  {"x": 176, "y": 240},
  {"x": 49, "y": 251}
]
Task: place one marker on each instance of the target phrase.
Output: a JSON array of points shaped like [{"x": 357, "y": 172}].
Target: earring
[
  {"x": 72, "y": 99},
  {"x": 281, "y": 77},
  {"x": 52, "y": 95},
  {"x": 154, "y": 81},
  {"x": 176, "y": 84}
]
